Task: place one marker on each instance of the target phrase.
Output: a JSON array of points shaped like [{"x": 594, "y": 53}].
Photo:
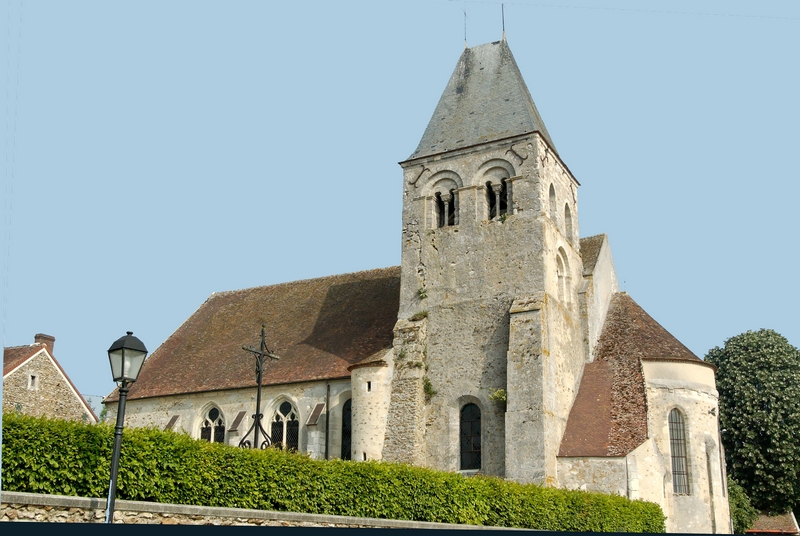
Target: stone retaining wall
[{"x": 61, "y": 509}]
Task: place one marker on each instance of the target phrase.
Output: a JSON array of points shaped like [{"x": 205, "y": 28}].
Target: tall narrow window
[
  {"x": 491, "y": 201},
  {"x": 347, "y": 429},
  {"x": 285, "y": 431},
  {"x": 440, "y": 221},
  {"x": 562, "y": 279},
  {"x": 677, "y": 445},
  {"x": 502, "y": 201},
  {"x": 470, "y": 436},
  {"x": 568, "y": 222},
  {"x": 213, "y": 428},
  {"x": 451, "y": 208},
  {"x": 552, "y": 203}
]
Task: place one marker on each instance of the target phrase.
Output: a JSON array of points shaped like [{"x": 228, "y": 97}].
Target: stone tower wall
[
  {"x": 466, "y": 277},
  {"x": 372, "y": 389}
]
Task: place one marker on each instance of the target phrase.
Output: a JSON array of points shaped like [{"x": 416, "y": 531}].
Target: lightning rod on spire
[{"x": 503, "y": 18}]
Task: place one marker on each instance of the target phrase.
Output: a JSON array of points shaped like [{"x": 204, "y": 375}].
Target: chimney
[{"x": 47, "y": 340}]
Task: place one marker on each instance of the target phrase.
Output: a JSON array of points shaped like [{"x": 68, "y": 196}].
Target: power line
[{"x": 631, "y": 10}]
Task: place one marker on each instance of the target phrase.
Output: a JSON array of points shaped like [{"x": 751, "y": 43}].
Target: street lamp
[{"x": 126, "y": 355}]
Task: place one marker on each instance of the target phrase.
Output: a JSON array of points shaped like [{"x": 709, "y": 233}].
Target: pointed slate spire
[{"x": 486, "y": 99}]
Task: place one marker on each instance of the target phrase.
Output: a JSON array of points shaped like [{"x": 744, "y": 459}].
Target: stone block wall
[{"x": 61, "y": 509}]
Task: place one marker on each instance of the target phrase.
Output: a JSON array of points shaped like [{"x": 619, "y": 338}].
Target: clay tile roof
[
  {"x": 609, "y": 415},
  {"x": 14, "y": 356},
  {"x": 781, "y": 524},
  {"x": 318, "y": 328},
  {"x": 590, "y": 251},
  {"x": 486, "y": 99}
]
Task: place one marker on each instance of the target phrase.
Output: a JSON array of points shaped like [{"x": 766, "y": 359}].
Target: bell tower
[{"x": 489, "y": 275}]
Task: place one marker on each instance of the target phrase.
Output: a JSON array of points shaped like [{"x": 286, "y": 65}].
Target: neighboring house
[
  {"x": 501, "y": 345},
  {"x": 35, "y": 384},
  {"x": 781, "y": 524}
]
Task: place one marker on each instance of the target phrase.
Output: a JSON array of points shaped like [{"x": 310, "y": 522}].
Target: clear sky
[{"x": 156, "y": 152}]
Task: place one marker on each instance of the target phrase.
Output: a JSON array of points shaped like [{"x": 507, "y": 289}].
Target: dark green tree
[
  {"x": 742, "y": 512},
  {"x": 758, "y": 380}
]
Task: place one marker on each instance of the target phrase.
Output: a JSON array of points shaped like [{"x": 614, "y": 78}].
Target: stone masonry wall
[
  {"x": 49, "y": 394},
  {"x": 191, "y": 408},
  {"x": 405, "y": 425},
  {"x": 61, "y": 509}
]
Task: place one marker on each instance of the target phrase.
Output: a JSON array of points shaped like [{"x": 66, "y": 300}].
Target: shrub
[
  {"x": 69, "y": 458},
  {"x": 742, "y": 512}
]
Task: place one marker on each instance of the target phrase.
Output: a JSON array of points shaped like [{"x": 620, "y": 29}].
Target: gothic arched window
[
  {"x": 285, "y": 430},
  {"x": 470, "y": 437},
  {"x": 677, "y": 446},
  {"x": 347, "y": 428},
  {"x": 552, "y": 196},
  {"x": 213, "y": 427}
]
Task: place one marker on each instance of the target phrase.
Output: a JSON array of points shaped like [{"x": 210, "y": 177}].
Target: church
[{"x": 501, "y": 345}]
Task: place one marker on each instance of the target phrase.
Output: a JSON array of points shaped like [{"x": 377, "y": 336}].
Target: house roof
[
  {"x": 14, "y": 356},
  {"x": 486, "y": 99},
  {"x": 780, "y": 524},
  {"x": 318, "y": 328},
  {"x": 609, "y": 415}
]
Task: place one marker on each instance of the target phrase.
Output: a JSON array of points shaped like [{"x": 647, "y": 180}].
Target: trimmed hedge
[{"x": 70, "y": 458}]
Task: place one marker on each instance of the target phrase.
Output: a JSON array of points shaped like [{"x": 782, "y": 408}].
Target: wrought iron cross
[{"x": 257, "y": 427}]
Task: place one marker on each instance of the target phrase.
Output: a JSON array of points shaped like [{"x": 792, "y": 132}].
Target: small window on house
[
  {"x": 285, "y": 430},
  {"x": 677, "y": 445},
  {"x": 470, "y": 437},
  {"x": 213, "y": 428},
  {"x": 568, "y": 222},
  {"x": 553, "y": 203},
  {"x": 347, "y": 429},
  {"x": 33, "y": 382},
  {"x": 369, "y": 387}
]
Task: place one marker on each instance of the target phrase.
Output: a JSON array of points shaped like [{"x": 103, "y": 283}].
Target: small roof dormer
[{"x": 486, "y": 99}]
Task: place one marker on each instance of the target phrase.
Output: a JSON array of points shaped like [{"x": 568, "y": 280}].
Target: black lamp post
[{"x": 126, "y": 355}]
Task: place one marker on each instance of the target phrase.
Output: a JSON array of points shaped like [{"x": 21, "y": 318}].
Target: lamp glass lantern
[{"x": 126, "y": 356}]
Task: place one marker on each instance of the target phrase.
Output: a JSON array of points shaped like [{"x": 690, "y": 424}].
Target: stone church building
[{"x": 500, "y": 345}]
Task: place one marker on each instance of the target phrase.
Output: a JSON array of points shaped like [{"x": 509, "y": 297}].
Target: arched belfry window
[
  {"x": 553, "y": 208},
  {"x": 677, "y": 446},
  {"x": 446, "y": 209},
  {"x": 213, "y": 427},
  {"x": 470, "y": 437},
  {"x": 497, "y": 198},
  {"x": 285, "y": 430},
  {"x": 347, "y": 430}
]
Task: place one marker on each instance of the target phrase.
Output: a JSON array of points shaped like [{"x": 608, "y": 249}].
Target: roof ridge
[{"x": 284, "y": 283}]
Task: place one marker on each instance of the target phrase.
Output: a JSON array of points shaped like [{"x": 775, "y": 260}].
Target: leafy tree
[
  {"x": 758, "y": 380},
  {"x": 742, "y": 512}
]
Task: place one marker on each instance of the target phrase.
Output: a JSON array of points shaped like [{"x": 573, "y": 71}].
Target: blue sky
[{"x": 156, "y": 152}]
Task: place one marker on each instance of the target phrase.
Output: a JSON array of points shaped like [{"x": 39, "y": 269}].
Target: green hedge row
[{"x": 71, "y": 458}]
